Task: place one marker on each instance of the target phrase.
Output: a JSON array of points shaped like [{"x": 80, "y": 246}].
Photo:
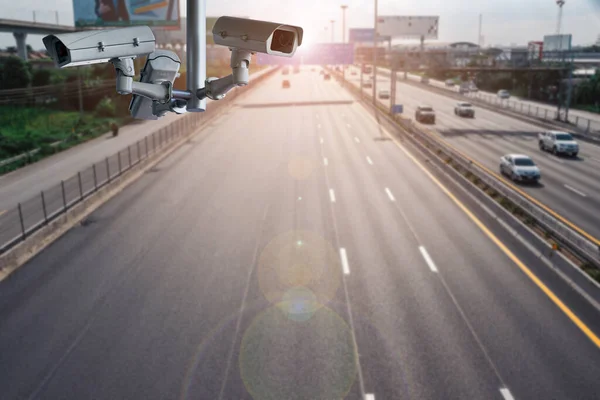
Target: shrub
[{"x": 106, "y": 108}]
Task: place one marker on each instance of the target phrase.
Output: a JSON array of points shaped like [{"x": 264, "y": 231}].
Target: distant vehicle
[
  {"x": 463, "y": 88},
  {"x": 285, "y": 84},
  {"x": 367, "y": 84},
  {"x": 473, "y": 88},
  {"x": 285, "y": 71},
  {"x": 425, "y": 114},
  {"x": 424, "y": 79},
  {"x": 519, "y": 168},
  {"x": 558, "y": 143},
  {"x": 449, "y": 82},
  {"x": 366, "y": 69},
  {"x": 463, "y": 109},
  {"x": 384, "y": 94},
  {"x": 503, "y": 94},
  {"x": 327, "y": 77}
]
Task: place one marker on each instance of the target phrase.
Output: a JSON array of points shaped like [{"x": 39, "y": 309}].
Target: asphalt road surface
[
  {"x": 289, "y": 252},
  {"x": 570, "y": 186}
]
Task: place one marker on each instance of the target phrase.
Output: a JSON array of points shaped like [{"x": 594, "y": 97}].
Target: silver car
[
  {"x": 520, "y": 168},
  {"x": 503, "y": 94}
]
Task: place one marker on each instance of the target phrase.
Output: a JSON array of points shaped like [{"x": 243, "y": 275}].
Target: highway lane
[
  {"x": 548, "y": 111},
  {"x": 169, "y": 291},
  {"x": 569, "y": 186}
]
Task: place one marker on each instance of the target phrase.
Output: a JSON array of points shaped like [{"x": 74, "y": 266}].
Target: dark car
[
  {"x": 285, "y": 84},
  {"x": 425, "y": 114},
  {"x": 327, "y": 77},
  {"x": 367, "y": 84}
]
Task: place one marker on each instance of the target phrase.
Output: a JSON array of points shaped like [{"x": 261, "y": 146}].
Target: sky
[{"x": 505, "y": 22}]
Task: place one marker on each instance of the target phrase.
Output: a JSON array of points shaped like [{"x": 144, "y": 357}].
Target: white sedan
[{"x": 520, "y": 168}]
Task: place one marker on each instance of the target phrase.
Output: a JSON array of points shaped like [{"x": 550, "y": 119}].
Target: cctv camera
[
  {"x": 161, "y": 67},
  {"x": 257, "y": 36},
  {"x": 99, "y": 46}
]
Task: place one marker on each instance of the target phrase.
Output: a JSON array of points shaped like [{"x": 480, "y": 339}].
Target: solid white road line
[
  {"x": 369, "y": 396},
  {"x": 390, "y": 195},
  {"x": 332, "y": 195},
  {"x": 506, "y": 394},
  {"x": 572, "y": 189},
  {"x": 325, "y": 162},
  {"x": 357, "y": 140},
  {"x": 344, "y": 258},
  {"x": 428, "y": 259},
  {"x": 321, "y": 140},
  {"x": 369, "y": 160}
]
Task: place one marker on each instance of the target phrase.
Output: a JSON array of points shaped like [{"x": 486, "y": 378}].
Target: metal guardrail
[
  {"x": 587, "y": 249},
  {"x": 26, "y": 218}
]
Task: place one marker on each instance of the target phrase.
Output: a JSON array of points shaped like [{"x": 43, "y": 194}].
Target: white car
[
  {"x": 520, "y": 168},
  {"x": 558, "y": 143},
  {"x": 503, "y": 94},
  {"x": 463, "y": 109},
  {"x": 449, "y": 82},
  {"x": 384, "y": 94}
]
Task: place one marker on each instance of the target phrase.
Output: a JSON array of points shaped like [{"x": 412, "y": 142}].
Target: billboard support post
[{"x": 196, "y": 52}]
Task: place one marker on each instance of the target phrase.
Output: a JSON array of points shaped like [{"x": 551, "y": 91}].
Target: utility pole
[
  {"x": 375, "y": 35},
  {"x": 344, "y": 7},
  {"x": 332, "y": 30},
  {"x": 560, "y": 4},
  {"x": 480, "y": 26}
]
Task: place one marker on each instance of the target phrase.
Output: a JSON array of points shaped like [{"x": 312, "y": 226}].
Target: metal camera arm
[
  {"x": 217, "y": 88},
  {"x": 162, "y": 94}
]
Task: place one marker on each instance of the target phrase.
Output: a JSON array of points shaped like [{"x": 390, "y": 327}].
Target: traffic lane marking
[
  {"x": 557, "y": 302},
  {"x": 325, "y": 162},
  {"x": 572, "y": 189},
  {"x": 506, "y": 394},
  {"x": 332, "y": 195},
  {"x": 428, "y": 259},
  {"x": 390, "y": 195},
  {"x": 344, "y": 259},
  {"x": 369, "y": 160}
]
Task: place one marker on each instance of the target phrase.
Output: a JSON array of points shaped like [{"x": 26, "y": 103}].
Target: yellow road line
[{"x": 566, "y": 310}]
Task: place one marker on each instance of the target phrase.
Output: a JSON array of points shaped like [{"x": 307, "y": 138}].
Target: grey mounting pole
[{"x": 196, "y": 52}]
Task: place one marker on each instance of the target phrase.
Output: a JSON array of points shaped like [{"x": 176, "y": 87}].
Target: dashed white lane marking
[
  {"x": 428, "y": 259},
  {"x": 319, "y": 126},
  {"x": 390, "y": 195},
  {"x": 369, "y": 396},
  {"x": 506, "y": 394},
  {"x": 332, "y": 195},
  {"x": 357, "y": 140},
  {"x": 325, "y": 162},
  {"x": 369, "y": 160},
  {"x": 321, "y": 140},
  {"x": 344, "y": 259},
  {"x": 572, "y": 189}
]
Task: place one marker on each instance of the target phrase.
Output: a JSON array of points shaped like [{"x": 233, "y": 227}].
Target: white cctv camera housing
[
  {"x": 257, "y": 36},
  {"x": 99, "y": 46}
]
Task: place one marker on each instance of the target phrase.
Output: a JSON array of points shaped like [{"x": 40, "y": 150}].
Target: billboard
[
  {"x": 557, "y": 42},
  {"x": 364, "y": 35},
  {"x": 115, "y": 13},
  {"x": 316, "y": 54},
  {"x": 408, "y": 27},
  {"x": 535, "y": 50}
]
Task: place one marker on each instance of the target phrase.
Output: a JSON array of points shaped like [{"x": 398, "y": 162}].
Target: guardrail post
[
  {"x": 44, "y": 208},
  {"x": 577, "y": 120},
  {"x": 64, "y": 196},
  {"x": 588, "y": 126},
  {"x": 129, "y": 155},
  {"x": 529, "y": 109},
  {"x": 107, "y": 170},
  {"x": 521, "y": 107},
  {"x": 546, "y": 114},
  {"x": 146, "y": 141},
  {"x": 23, "y": 235},
  {"x": 138, "y": 151},
  {"x": 95, "y": 179},
  {"x": 80, "y": 186},
  {"x": 119, "y": 160}
]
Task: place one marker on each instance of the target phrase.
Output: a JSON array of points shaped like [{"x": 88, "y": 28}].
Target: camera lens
[
  {"x": 61, "y": 51},
  {"x": 283, "y": 41}
]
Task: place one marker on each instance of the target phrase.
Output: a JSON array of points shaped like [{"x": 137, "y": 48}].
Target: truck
[{"x": 558, "y": 143}]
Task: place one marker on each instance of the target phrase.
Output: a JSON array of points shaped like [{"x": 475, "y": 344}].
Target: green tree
[
  {"x": 41, "y": 77},
  {"x": 15, "y": 74}
]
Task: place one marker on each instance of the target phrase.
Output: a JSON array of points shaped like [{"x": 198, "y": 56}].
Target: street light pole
[
  {"x": 332, "y": 30},
  {"x": 375, "y": 55},
  {"x": 344, "y": 7}
]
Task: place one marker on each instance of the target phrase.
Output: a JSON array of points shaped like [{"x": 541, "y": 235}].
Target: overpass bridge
[{"x": 20, "y": 29}]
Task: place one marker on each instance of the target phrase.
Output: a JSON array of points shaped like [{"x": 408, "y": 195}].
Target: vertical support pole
[
  {"x": 196, "y": 52},
  {"x": 44, "y": 208}
]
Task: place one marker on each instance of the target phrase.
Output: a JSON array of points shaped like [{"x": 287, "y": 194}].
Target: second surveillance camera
[
  {"x": 99, "y": 46},
  {"x": 257, "y": 36}
]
